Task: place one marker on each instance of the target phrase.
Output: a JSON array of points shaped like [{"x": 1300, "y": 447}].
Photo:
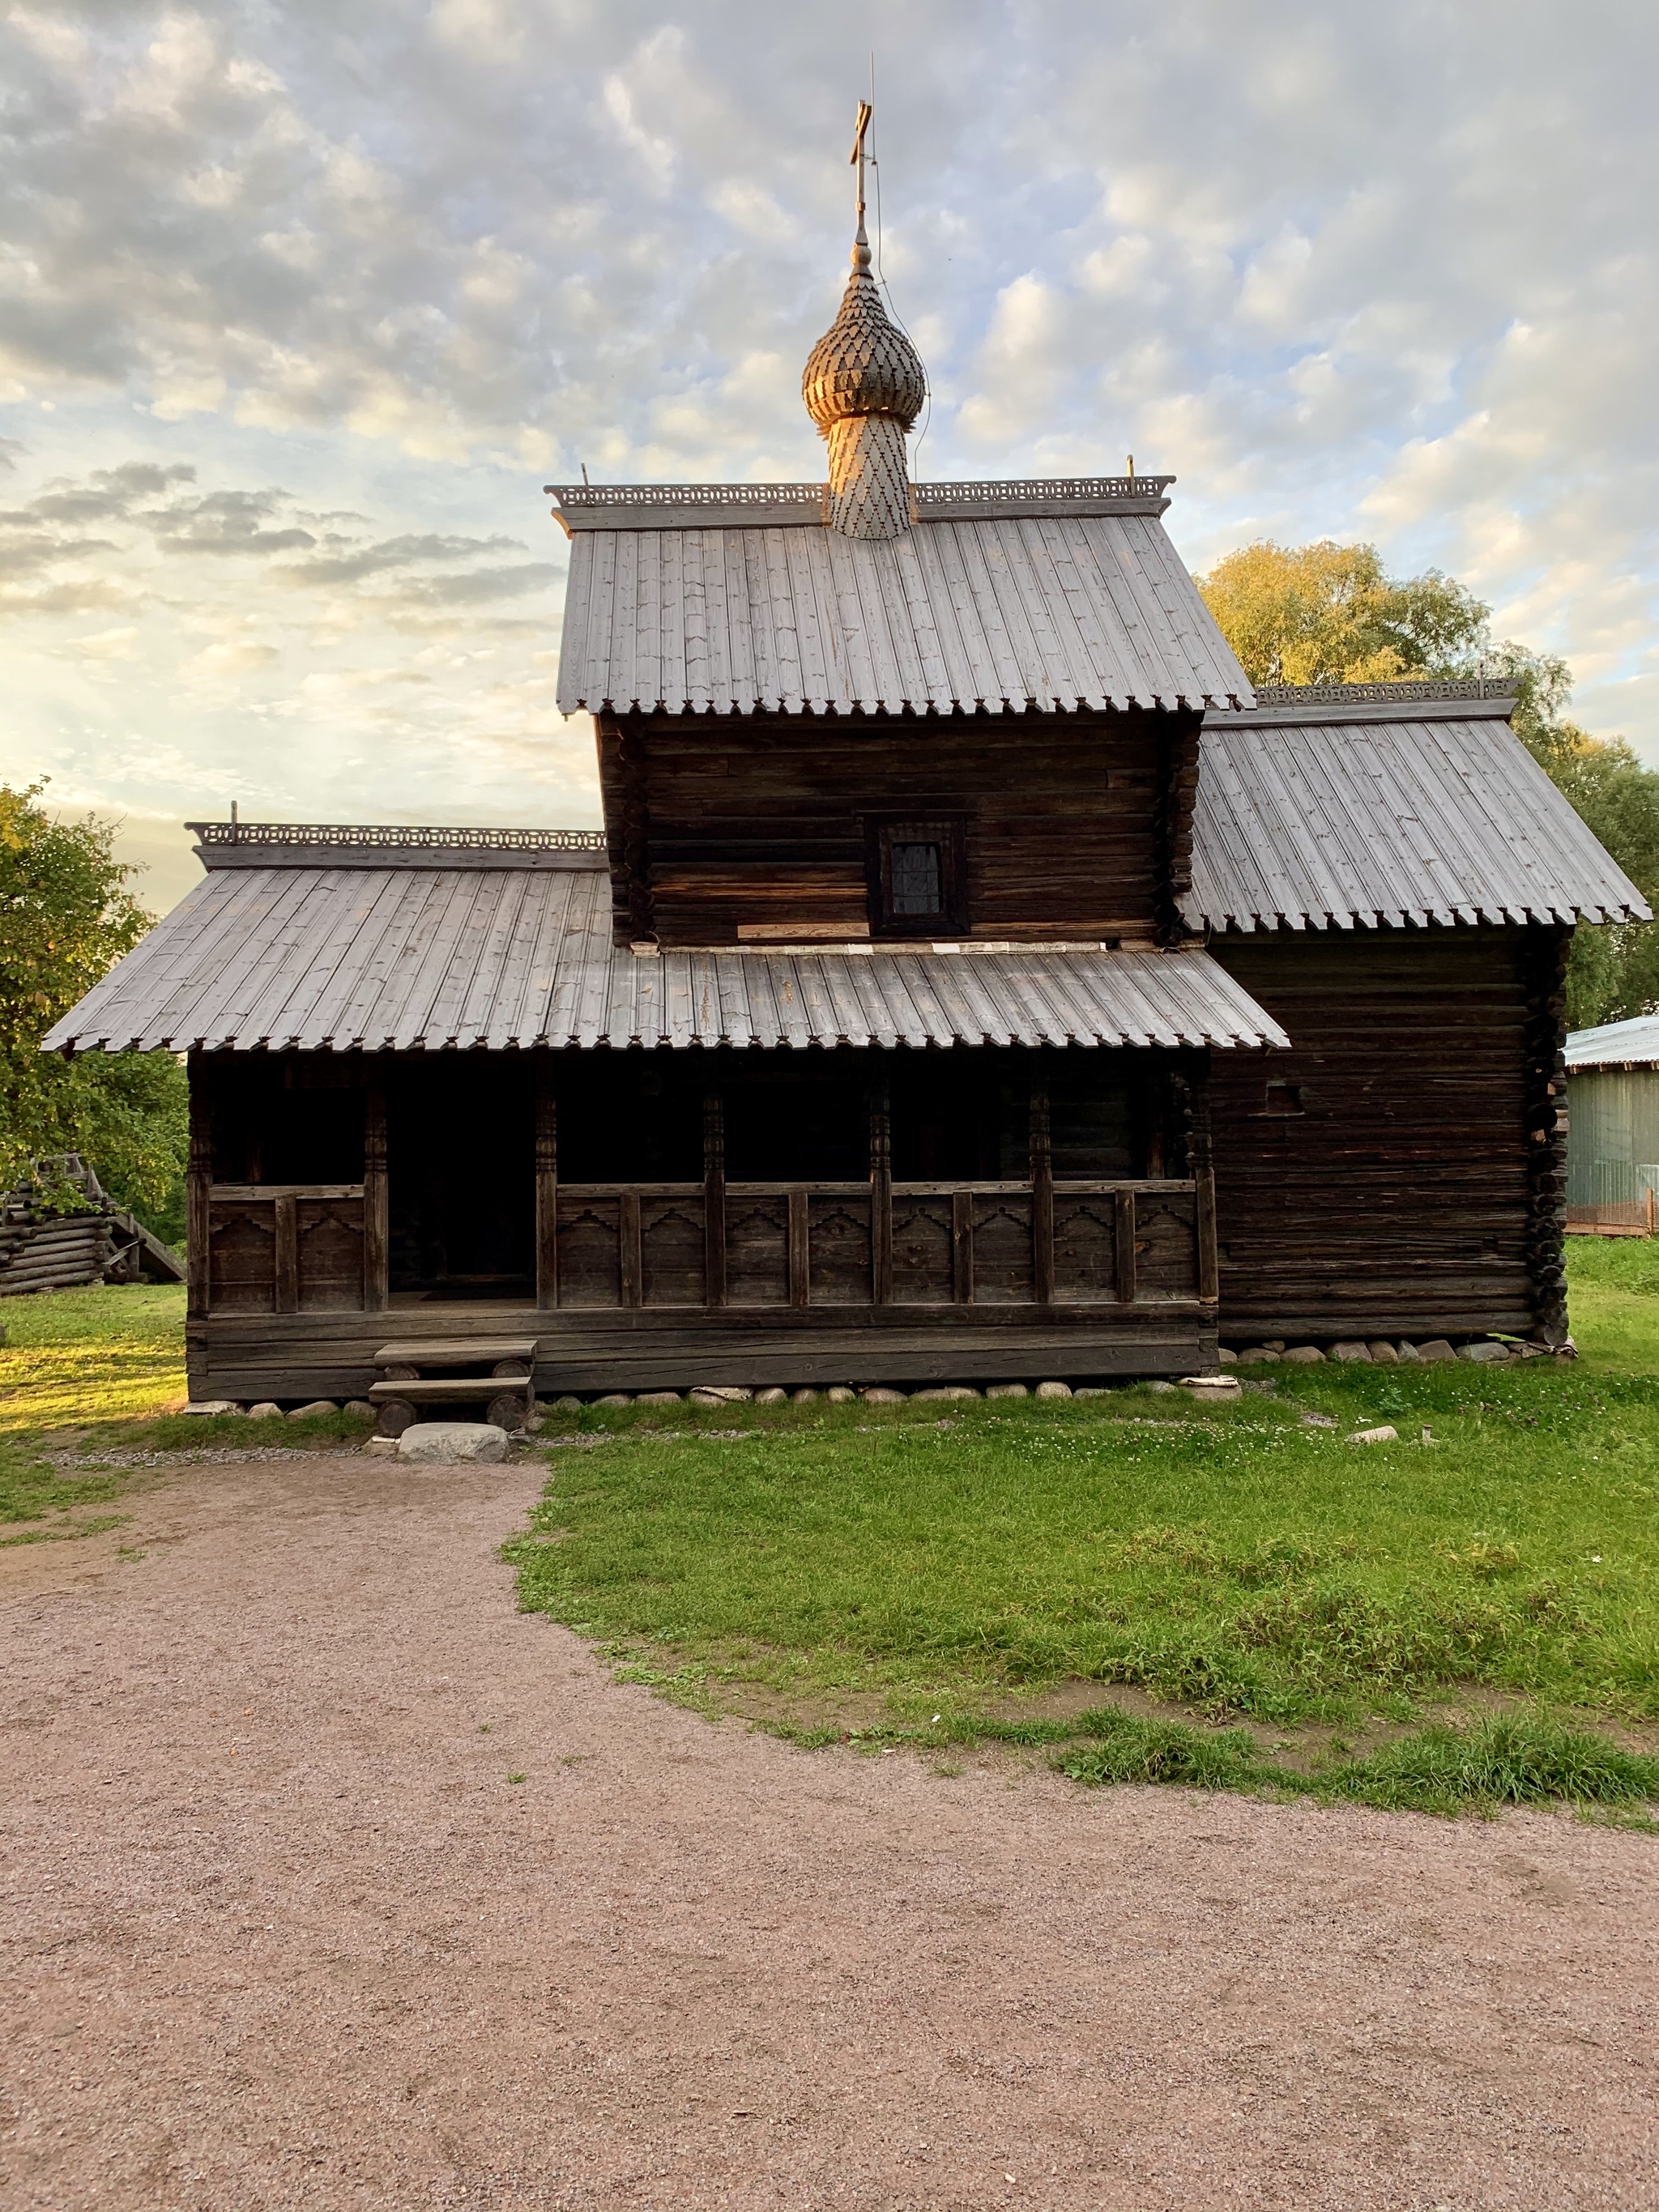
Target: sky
[{"x": 301, "y": 305}]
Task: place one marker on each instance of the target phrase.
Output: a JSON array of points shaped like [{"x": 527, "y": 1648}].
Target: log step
[
  {"x": 455, "y": 1351},
  {"x": 438, "y": 1389}
]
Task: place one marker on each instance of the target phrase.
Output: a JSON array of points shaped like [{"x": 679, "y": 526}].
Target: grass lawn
[
  {"x": 1132, "y": 1586},
  {"x": 1100, "y": 1574}
]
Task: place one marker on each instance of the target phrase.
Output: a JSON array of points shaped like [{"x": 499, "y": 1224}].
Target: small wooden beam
[
  {"x": 1043, "y": 1198},
  {"x": 632, "y": 1265},
  {"x": 1209, "y": 1271},
  {"x": 714, "y": 1199},
  {"x": 881, "y": 1198},
  {"x": 962, "y": 1247},
  {"x": 198, "y": 1180},
  {"x": 547, "y": 1186},
  {"x": 1126, "y": 1248},
  {"x": 377, "y": 1233},
  {"x": 799, "y": 1250},
  {"x": 286, "y": 1211}
]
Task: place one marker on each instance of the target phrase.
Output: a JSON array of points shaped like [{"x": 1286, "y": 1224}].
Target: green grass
[
  {"x": 104, "y": 1365},
  {"x": 927, "y": 1574},
  {"x": 1615, "y": 1302},
  {"x": 1231, "y": 1561},
  {"x": 948, "y": 1575}
]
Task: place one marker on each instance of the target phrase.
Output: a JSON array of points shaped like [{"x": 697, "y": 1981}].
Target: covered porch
[{"x": 433, "y": 1095}]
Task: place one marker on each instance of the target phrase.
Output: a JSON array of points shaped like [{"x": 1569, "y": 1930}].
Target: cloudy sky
[{"x": 302, "y": 301}]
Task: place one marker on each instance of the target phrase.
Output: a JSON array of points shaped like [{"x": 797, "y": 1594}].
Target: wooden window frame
[{"x": 947, "y": 831}]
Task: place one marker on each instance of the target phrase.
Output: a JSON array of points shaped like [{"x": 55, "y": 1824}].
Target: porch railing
[{"x": 814, "y": 1246}]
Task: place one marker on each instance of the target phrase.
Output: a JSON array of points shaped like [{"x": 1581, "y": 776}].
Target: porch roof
[{"x": 360, "y": 955}]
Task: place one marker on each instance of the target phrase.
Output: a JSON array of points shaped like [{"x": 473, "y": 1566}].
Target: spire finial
[
  {"x": 861, "y": 241},
  {"x": 863, "y": 387}
]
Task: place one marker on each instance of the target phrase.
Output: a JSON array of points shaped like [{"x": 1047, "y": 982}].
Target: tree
[
  {"x": 66, "y": 916},
  {"x": 1329, "y": 614}
]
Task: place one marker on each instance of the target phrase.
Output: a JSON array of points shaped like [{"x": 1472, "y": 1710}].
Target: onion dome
[{"x": 863, "y": 364}]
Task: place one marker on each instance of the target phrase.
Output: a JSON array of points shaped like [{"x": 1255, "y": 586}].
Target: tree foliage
[
  {"x": 66, "y": 916},
  {"x": 1329, "y": 614}
]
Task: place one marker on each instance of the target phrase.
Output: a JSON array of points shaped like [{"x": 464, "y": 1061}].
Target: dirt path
[{"x": 278, "y": 1930}]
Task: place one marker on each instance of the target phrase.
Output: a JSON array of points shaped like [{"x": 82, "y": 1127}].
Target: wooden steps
[{"x": 508, "y": 1391}]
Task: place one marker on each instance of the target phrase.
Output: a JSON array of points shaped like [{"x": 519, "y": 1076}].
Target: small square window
[
  {"x": 1284, "y": 1097},
  {"x": 915, "y": 877}
]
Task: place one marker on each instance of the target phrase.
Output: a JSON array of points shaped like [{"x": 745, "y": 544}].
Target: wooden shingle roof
[{"x": 1060, "y": 595}]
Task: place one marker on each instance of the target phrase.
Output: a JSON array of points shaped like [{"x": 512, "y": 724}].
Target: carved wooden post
[
  {"x": 376, "y": 1212},
  {"x": 1544, "y": 953},
  {"x": 799, "y": 1250},
  {"x": 1125, "y": 1225},
  {"x": 198, "y": 1180},
  {"x": 962, "y": 1247},
  {"x": 632, "y": 1265},
  {"x": 286, "y": 1209},
  {"x": 881, "y": 1197},
  {"x": 1199, "y": 1167},
  {"x": 714, "y": 1199},
  {"x": 1042, "y": 1198},
  {"x": 547, "y": 1186}
]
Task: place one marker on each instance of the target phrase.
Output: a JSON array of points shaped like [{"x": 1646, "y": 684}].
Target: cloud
[{"x": 1372, "y": 272}]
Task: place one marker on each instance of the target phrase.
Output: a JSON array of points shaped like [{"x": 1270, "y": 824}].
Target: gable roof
[
  {"x": 1632, "y": 1043},
  {"x": 356, "y": 954},
  {"x": 1365, "y": 804},
  {"x": 692, "y": 599}
]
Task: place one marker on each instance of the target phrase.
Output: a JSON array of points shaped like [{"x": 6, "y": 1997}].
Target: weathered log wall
[
  {"x": 1399, "y": 1173},
  {"x": 1076, "y": 824}
]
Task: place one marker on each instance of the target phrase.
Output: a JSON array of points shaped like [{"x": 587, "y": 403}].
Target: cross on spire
[{"x": 856, "y": 158}]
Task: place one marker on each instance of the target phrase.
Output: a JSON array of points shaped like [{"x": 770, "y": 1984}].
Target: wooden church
[{"x": 973, "y": 980}]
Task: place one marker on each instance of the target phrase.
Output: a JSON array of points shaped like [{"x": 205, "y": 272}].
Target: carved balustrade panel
[
  {"x": 590, "y": 1250},
  {"x": 285, "y": 1247},
  {"x": 756, "y": 1248},
  {"x": 922, "y": 1248},
  {"x": 1086, "y": 1248},
  {"x": 839, "y": 1263},
  {"x": 673, "y": 1248}
]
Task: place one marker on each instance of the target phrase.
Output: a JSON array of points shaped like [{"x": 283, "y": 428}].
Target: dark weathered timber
[
  {"x": 547, "y": 1184},
  {"x": 881, "y": 1197},
  {"x": 1406, "y": 1195},
  {"x": 1043, "y": 1200},
  {"x": 198, "y": 1180},
  {"x": 376, "y": 1220},
  {"x": 1124, "y": 1218},
  {"x": 1079, "y": 825},
  {"x": 1545, "y": 1080},
  {"x": 714, "y": 1187},
  {"x": 247, "y": 1357}
]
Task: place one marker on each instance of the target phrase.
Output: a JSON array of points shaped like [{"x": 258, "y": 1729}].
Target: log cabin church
[{"x": 973, "y": 980}]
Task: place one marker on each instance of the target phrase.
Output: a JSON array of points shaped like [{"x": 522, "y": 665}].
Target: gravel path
[{"x": 278, "y": 1930}]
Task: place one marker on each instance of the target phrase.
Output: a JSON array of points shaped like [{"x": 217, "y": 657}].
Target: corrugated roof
[
  {"x": 1437, "y": 813},
  {"x": 1616, "y": 1044},
  {"x": 1060, "y": 611},
  {"x": 381, "y": 958}
]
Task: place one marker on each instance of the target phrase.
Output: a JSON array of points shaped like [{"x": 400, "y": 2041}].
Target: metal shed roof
[
  {"x": 990, "y": 603},
  {"x": 359, "y": 956},
  {"x": 1634, "y": 1043},
  {"x": 1352, "y": 809}
]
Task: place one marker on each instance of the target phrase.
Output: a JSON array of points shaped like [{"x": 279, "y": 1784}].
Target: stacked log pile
[{"x": 41, "y": 1249}]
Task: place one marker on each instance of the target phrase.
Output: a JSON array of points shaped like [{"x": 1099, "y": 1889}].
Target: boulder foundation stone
[{"x": 447, "y": 1443}]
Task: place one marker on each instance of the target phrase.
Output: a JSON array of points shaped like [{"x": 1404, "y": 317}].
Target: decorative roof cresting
[{"x": 863, "y": 385}]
